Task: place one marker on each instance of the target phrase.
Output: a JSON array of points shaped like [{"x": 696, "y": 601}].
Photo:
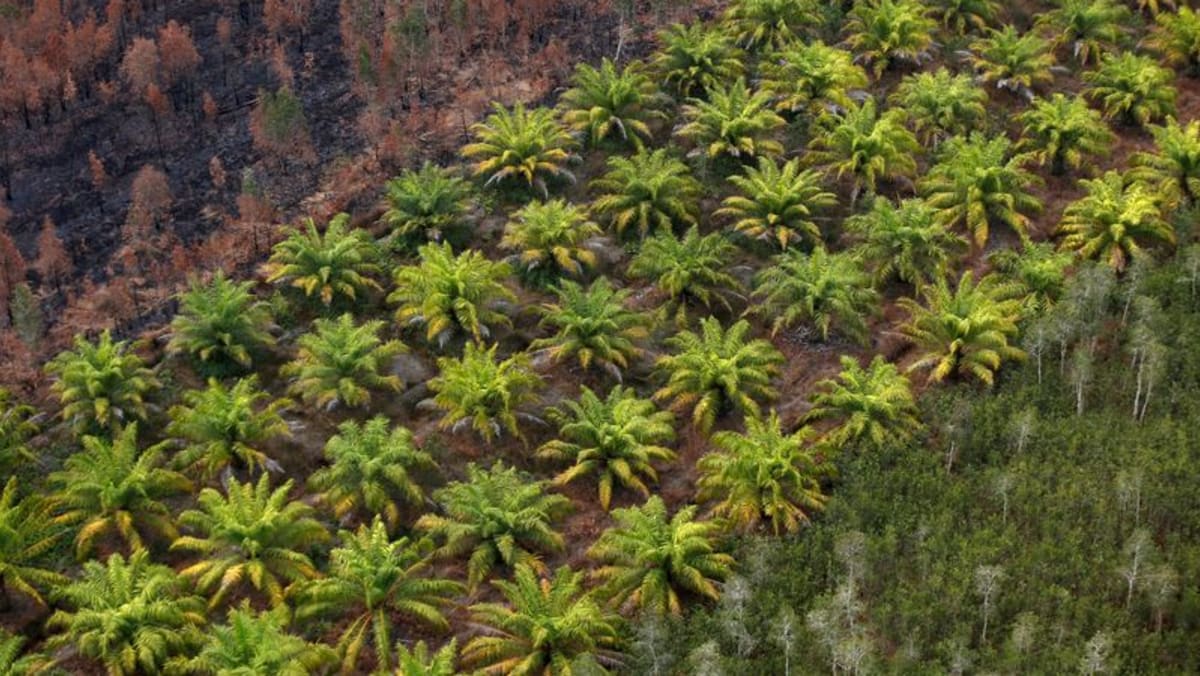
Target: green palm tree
[
  {"x": 221, "y": 325},
  {"x": 651, "y": 190},
  {"x": 1040, "y": 269},
  {"x": 966, "y": 331},
  {"x": 339, "y": 362},
  {"x": 1063, "y": 132},
  {"x": 27, "y": 533},
  {"x": 1174, "y": 166},
  {"x": 832, "y": 291},
  {"x": 1177, "y": 38},
  {"x": 865, "y": 145},
  {"x": 113, "y": 488},
  {"x": 693, "y": 58},
  {"x": 883, "y": 32},
  {"x": 767, "y": 24},
  {"x": 593, "y": 326},
  {"x": 1133, "y": 88},
  {"x": 371, "y": 470},
  {"x": 339, "y": 264},
  {"x": 872, "y": 406},
  {"x": 372, "y": 580},
  {"x": 1009, "y": 59},
  {"x": 258, "y": 644},
  {"x": 17, "y": 427},
  {"x": 418, "y": 661},
  {"x": 961, "y": 16},
  {"x": 101, "y": 386},
  {"x": 227, "y": 427},
  {"x": 254, "y": 535},
  {"x": 522, "y": 146},
  {"x": 1115, "y": 221},
  {"x": 649, "y": 558},
  {"x": 606, "y": 104},
  {"x": 694, "y": 268},
  {"x": 477, "y": 389},
  {"x": 452, "y": 295},
  {"x": 717, "y": 370},
  {"x": 980, "y": 182},
  {"x": 547, "y": 626},
  {"x": 776, "y": 203},
  {"x": 1086, "y": 28},
  {"x": 904, "y": 241},
  {"x": 809, "y": 77},
  {"x": 734, "y": 121},
  {"x": 130, "y": 616},
  {"x": 764, "y": 476},
  {"x": 941, "y": 104},
  {"x": 427, "y": 204},
  {"x": 495, "y": 517},
  {"x": 617, "y": 438},
  {"x": 552, "y": 239},
  {"x": 14, "y": 663}
]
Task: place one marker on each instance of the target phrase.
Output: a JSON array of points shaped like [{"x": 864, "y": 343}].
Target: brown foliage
[
  {"x": 96, "y": 167},
  {"x": 140, "y": 65},
  {"x": 150, "y": 204},
  {"x": 216, "y": 170},
  {"x": 284, "y": 16},
  {"x": 177, "y": 52},
  {"x": 53, "y": 263},
  {"x": 210, "y": 108}
]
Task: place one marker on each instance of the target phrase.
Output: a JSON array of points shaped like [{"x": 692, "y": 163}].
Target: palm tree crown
[
  {"x": 866, "y": 145},
  {"x": 776, "y": 203},
  {"x": 691, "y": 268},
  {"x": 941, "y": 104},
  {"x": 1063, "y": 132},
  {"x": 339, "y": 362},
  {"x": 1133, "y": 88},
  {"x": 552, "y": 239},
  {"x": 17, "y": 427},
  {"x": 1115, "y": 221},
  {"x": 734, "y": 121},
  {"x": 764, "y": 24},
  {"x": 259, "y": 644},
  {"x": 28, "y": 533},
  {"x": 340, "y": 263},
  {"x": 606, "y": 104},
  {"x": 809, "y": 77},
  {"x": 883, "y": 32},
  {"x": 873, "y": 406},
  {"x": 693, "y": 58},
  {"x": 226, "y": 427},
  {"x": 1174, "y": 166},
  {"x": 486, "y": 393},
  {"x": 425, "y": 204},
  {"x": 904, "y": 240},
  {"x": 653, "y": 191},
  {"x": 101, "y": 386},
  {"x": 830, "y": 290},
  {"x": 1013, "y": 60},
  {"x": 221, "y": 325},
  {"x": 593, "y": 325},
  {"x": 524, "y": 146}
]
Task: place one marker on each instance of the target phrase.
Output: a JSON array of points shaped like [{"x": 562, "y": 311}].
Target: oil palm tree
[
  {"x": 606, "y": 104},
  {"x": 1086, "y": 28},
  {"x": 764, "y": 476},
  {"x": 546, "y": 626},
  {"x": 339, "y": 264},
  {"x": 227, "y": 427},
  {"x": 420, "y": 661},
  {"x": 370, "y": 471},
  {"x": 1132, "y": 88},
  {"x": 1063, "y": 133},
  {"x": 17, "y": 426},
  {"x": 693, "y": 58},
  {"x": 1012, "y": 60},
  {"x": 872, "y": 406},
  {"x": 1040, "y": 269},
  {"x": 29, "y": 534},
  {"x": 339, "y": 362},
  {"x": 1114, "y": 221},
  {"x": 776, "y": 203},
  {"x": 129, "y": 616},
  {"x": 978, "y": 183},
  {"x": 113, "y": 488},
  {"x": 252, "y": 534},
  {"x": 496, "y": 517},
  {"x": 551, "y": 239},
  {"x": 373, "y": 579},
  {"x": 1173, "y": 168},
  {"x": 650, "y": 190},
  {"x": 14, "y": 663},
  {"x": 526, "y": 147},
  {"x": 257, "y": 643},
  {"x": 617, "y": 438},
  {"x": 966, "y": 331},
  {"x": 904, "y": 241},
  {"x": 425, "y": 204},
  {"x": 865, "y": 145},
  {"x": 717, "y": 370},
  {"x": 221, "y": 325},
  {"x": 883, "y": 32},
  {"x": 649, "y": 558},
  {"x": 810, "y": 77},
  {"x": 832, "y": 291},
  {"x": 101, "y": 386},
  {"x": 1177, "y": 38},
  {"x": 962, "y": 16},
  {"x": 483, "y": 392},
  {"x": 452, "y": 295},
  {"x": 767, "y": 24},
  {"x": 941, "y": 104},
  {"x": 732, "y": 122},
  {"x": 694, "y": 268},
  {"x": 592, "y": 326}
]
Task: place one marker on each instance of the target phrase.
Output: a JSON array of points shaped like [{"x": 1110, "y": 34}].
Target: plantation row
[{"x": 495, "y": 391}]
